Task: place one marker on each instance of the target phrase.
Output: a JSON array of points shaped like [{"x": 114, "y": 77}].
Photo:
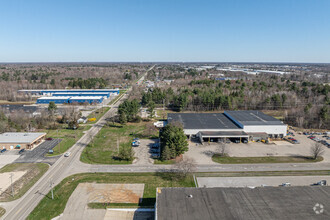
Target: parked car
[
  {"x": 245, "y": 141},
  {"x": 49, "y": 139},
  {"x": 67, "y": 154},
  {"x": 21, "y": 151},
  {"x": 286, "y": 184},
  {"x": 320, "y": 183},
  {"x": 3, "y": 150}
]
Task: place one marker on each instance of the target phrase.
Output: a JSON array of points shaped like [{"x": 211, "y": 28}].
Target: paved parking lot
[
  {"x": 259, "y": 181},
  {"x": 203, "y": 153},
  {"x": 37, "y": 155},
  {"x": 142, "y": 152},
  {"x": 7, "y": 159}
]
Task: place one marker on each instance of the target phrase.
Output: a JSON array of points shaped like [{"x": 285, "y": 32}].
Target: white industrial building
[{"x": 242, "y": 125}]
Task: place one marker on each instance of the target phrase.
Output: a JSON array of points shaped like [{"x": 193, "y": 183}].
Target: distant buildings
[{"x": 58, "y": 96}]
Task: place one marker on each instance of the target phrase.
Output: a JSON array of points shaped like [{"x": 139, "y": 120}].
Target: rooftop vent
[{"x": 190, "y": 196}]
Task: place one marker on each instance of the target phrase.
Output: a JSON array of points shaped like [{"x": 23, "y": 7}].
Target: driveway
[
  {"x": 142, "y": 152},
  {"x": 259, "y": 181},
  {"x": 37, "y": 155},
  {"x": 203, "y": 153}
]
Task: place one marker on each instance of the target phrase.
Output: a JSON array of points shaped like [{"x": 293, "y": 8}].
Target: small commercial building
[
  {"x": 295, "y": 202},
  {"x": 238, "y": 125},
  {"x": 20, "y": 140}
]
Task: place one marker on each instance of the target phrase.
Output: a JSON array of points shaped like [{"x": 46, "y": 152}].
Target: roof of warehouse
[
  {"x": 253, "y": 117},
  {"x": 19, "y": 137},
  {"x": 294, "y": 202},
  {"x": 202, "y": 120},
  {"x": 53, "y": 97},
  {"x": 86, "y": 97}
]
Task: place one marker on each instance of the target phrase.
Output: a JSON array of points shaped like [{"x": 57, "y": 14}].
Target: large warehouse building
[
  {"x": 295, "y": 202},
  {"x": 70, "y": 99},
  {"x": 53, "y": 91},
  {"x": 20, "y": 140},
  {"x": 240, "y": 125}
]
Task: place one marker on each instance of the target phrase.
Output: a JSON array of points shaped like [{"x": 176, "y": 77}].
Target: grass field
[
  {"x": 21, "y": 186},
  {"x": 48, "y": 208},
  {"x": 69, "y": 138},
  {"x": 97, "y": 114},
  {"x": 2, "y": 211},
  {"x": 103, "y": 149},
  {"x": 271, "y": 159}
]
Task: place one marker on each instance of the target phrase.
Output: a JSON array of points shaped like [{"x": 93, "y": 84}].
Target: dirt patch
[
  {"x": 32, "y": 171},
  {"x": 6, "y": 178}
]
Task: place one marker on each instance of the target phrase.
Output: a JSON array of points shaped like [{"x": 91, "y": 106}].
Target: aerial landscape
[{"x": 143, "y": 110}]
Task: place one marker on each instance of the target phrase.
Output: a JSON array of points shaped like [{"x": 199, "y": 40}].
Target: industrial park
[{"x": 165, "y": 110}]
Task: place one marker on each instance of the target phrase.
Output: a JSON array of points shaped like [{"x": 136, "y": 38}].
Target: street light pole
[{"x": 51, "y": 187}]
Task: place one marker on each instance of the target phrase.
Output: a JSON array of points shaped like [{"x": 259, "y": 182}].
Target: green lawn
[
  {"x": 270, "y": 159},
  {"x": 104, "y": 149},
  {"x": 48, "y": 208},
  {"x": 69, "y": 138},
  {"x": 21, "y": 186},
  {"x": 2, "y": 211},
  {"x": 98, "y": 113}
]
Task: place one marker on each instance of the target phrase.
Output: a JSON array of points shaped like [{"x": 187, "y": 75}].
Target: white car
[{"x": 67, "y": 154}]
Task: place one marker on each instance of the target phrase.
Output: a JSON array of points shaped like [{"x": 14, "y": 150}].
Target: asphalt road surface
[
  {"x": 24, "y": 206},
  {"x": 37, "y": 155},
  {"x": 66, "y": 166}
]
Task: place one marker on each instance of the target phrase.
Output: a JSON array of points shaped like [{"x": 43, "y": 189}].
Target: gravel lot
[
  {"x": 142, "y": 152},
  {"x": 203, "y": 153},
  {"x": 259, "y": 181}
]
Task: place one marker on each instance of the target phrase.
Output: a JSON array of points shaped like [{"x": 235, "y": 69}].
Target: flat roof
[
  {"x": 252, "y": 117},
  {"x": 295, "y": 202},
  {"x": 67, "y": 90},
  {"x": 53, "y": 98},
  {"x": 202, "y": 120},
  {"x": 85, "y": 97},
  {"x": 79, "y": 93},
  {"x": 19, "y": 137}
]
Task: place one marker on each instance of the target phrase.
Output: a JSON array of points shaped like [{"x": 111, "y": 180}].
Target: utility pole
[
  {"x": 51, "y": 187},
  {"x": 118, "y": 144},
  {"x": 12, "y": 188}
]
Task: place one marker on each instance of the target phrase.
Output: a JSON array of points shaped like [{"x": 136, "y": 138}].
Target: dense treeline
[
  {"x": 128, "y": 111},
  {"x": 306, "y": 104},
  {"x": 14, "y": 77},
  {"x": 91, "y": 83}
]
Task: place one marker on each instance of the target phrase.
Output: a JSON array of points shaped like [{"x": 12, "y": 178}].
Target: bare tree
[
  {"x": 317, "y": 150},
  {"x": 185, "y": 166},
  {"x": 222, "y": 149}
]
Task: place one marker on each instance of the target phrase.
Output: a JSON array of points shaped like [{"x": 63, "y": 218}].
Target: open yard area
[
  {"x": 24, "y": 176},
  {"x": 259, "y": 181},
  {"x": 97, "y": 114},
  {"x": 278, "y": 152},
  {"x": 105, "y": 147},
  {"x": 49, "y": 208},
  {"x": 68, "y": 137}
]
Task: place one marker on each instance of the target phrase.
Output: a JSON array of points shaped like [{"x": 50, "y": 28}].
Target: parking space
[
  {"x": 203, "y": 153},
  {"x": 143, "y": 153},
  {"x": 260, "y": 181},
  {"x": 37, "y": 155},
  {"x": 7, "y": 158}
]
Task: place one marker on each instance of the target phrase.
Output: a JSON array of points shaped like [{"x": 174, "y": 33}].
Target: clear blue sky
[{"x": 165, "y": 30}]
